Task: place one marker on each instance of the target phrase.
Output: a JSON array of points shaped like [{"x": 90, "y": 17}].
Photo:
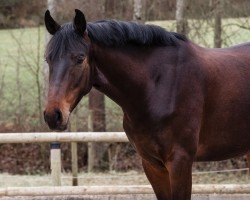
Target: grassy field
[{"x": 21, "y": 60}]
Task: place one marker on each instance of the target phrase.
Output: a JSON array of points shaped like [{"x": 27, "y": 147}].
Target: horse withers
[{"x": 181, "y": 102}]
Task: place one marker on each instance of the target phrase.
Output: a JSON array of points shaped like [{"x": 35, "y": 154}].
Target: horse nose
[
  {"x": 58, "y": 115},
  {"x": 53, "y": 118}
]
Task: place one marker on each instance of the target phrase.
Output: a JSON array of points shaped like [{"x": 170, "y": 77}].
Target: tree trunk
[
  {"x": 19, "y": 90},
  {"x": 181, "y": 20},
  {"x": 51, "y": 4},
  {"x": 109, "y": 8},
  {"x": 37, "y": 75},
  {"x": 137, "y": 16},
  {"x": 217, "y": 23},
  {"x": 97, "y": 106},
  {"x": 248, "y": 161},
  {"x": 97, "y": 152}
]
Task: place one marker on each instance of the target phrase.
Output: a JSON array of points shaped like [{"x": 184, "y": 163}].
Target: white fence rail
[
  {"x": 63, "y": 137},
  {"x": 123, "y": 189}
]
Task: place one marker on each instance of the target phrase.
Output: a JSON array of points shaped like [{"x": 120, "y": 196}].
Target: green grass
[
  {"x": 12, "y": 57},
  {"x": 19, "y": 49}
]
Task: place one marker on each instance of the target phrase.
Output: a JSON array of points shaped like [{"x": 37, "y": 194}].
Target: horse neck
[{"x": 127, "y": 75}]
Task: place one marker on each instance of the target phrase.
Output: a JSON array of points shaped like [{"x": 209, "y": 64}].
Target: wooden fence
[
  {"x": 63, "y": 137},
  {"x": 55, "y": 138},
  {"x": 122, "y": 189},
  {"x": 55, "y": 152}
]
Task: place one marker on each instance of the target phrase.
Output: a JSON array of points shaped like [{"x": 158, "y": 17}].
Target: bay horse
[{"x": 181, "y": 102}]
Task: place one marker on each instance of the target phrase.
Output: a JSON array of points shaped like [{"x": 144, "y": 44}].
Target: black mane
[
  {"x": 110, "y": 33},
  {"x": 114, "y": 33}
]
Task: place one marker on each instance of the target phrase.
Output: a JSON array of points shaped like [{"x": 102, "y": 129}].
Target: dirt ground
[
  {"x": 131, "y": 197},
  {"x": 115, "y": 178},
  {"x": 98, "y": 197}
]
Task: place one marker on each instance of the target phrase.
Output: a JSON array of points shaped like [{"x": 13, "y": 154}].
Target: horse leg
[
  {"x": 180, "y": 174},
  {"x": 159, "y": 178}
]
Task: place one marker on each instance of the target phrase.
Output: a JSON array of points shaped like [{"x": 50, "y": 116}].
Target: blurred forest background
[{"x": 23, "y": 73}]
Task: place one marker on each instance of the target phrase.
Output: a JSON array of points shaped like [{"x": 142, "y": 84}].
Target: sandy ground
[
  {"x": 131, "y": 197},
  {"x": 128, "y": 178}
]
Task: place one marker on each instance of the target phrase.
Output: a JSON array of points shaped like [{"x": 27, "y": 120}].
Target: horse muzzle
[{"x": 55, "y": 119}]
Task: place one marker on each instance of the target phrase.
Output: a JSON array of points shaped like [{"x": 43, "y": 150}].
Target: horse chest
[
  {"x": 145, "y": 146},
  {"x": 150, "y": 144}
]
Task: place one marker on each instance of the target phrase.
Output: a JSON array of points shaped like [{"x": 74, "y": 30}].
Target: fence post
[
  {"x": 91, "y": 152},
  {"x": 55, "y": 163},
  {"x": 74, "y": 163}
]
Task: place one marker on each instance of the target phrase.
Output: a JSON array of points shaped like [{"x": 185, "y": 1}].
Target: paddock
[{"x": 200, "y": 191}]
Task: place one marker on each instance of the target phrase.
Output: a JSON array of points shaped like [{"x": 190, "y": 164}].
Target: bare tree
[
  {"x": 109, "y": 8},
  {"x": 217, "y": 23},
  {"x": 96, "y": 152},
  {"x": 19, "y": 89},
  {"x": 2, "y": 78},
  {"x": 51, "y": 4},
  {"x": 137, "y": 16},
  {"x": 181, "y": 21},
  {"x": 32, "y": 62}
]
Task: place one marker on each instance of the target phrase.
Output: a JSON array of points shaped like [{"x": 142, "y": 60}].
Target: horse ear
[
  {"x": 51, "y": 26},
  {"x": 80, "y": 22}
]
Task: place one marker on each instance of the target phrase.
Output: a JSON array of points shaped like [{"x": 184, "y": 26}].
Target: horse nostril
[{"x": 58, "y": 116}]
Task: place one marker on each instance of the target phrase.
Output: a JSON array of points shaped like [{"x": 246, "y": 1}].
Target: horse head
[{"x": 69, "y": 71}]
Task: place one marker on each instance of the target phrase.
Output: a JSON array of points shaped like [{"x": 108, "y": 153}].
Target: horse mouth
[{"x": 60, "y": 128}]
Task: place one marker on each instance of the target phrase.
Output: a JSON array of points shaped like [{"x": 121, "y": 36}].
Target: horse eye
[{"x": 79, "y": 59}]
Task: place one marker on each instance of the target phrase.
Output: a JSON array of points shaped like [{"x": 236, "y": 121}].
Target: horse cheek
[{"x": 86, "y": 75}]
